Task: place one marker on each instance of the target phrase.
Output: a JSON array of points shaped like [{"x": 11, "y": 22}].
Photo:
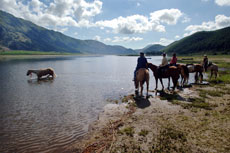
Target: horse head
[
  {"x": 28, "y": 72},
  {"x": 209, "y": 64},
  {"x": 152, "y": 67}
]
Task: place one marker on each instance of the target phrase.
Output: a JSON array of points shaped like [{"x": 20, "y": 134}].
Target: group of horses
[{"x": 174, "y": 72}]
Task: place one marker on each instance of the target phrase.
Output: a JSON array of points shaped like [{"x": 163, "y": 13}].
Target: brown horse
[
  {"x": 184, "y": 72},
  {"x": 42, "y": 72},
  {"x": 172, "y": 71},
  {"x": 197, "y": 68},
  {"x": 141, "y": 78},
  {"x": 213, "y": 68}
]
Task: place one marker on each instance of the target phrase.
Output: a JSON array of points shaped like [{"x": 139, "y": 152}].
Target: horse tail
[{"x": 186, "y": 71}]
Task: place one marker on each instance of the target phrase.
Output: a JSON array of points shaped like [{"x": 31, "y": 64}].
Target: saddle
[{"x": 162, "y": 70}]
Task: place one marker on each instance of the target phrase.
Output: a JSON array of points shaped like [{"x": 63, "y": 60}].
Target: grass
[
  {"x": 143, "y": 133},
  {"x": 171, "y": 140},
  {"x": 22, "y": 52},
  {"x": 129, "y": 131}
]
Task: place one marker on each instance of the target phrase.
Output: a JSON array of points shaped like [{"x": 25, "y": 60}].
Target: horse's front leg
[
  {"x": 162, "y": 83},
  {"x": 156, "y": 79},
  {"x": 169, "y": 83}
]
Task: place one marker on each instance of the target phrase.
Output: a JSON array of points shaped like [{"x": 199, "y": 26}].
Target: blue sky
[{"x": 130, "y": 23}]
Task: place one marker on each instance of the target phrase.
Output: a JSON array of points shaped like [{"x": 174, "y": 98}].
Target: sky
[{"x": 130, "y": 23}]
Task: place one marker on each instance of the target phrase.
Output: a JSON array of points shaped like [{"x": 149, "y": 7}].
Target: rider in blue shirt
[{"x": 141, "y": 63}]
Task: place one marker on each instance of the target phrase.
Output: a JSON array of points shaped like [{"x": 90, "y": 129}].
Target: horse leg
[
  {"x": 136, "y": 87},
  {"x": 141, "y": 84},
  {"x": 211, "y": 74},
  {"x": 162, "y": 83},
  {"x": 147, "y": 86},
  {"x": 169, "y": 83},
  {"x": 201, "y": 77},
  {"x": 196, "y": 77},
  {"x": 156, "y": 83}
]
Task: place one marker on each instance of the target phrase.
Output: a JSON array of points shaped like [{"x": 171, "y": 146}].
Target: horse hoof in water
[{"x": 136, "y": 92}]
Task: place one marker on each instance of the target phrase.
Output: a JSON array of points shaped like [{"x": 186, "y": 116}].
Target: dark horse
[
  {"x": 184, "y": 72},
  {"x": 172, "y": 71},
  {"x": 198, "y": 69}
]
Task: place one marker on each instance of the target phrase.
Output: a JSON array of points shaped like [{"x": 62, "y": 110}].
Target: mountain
[
  {"x": 19, "y": 34},
  {"x": 154, "y": 49},
  {"x": 209, "y": 42}
]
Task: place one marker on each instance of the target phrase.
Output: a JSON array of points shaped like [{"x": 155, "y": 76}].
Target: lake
[{"x": 40, "y": 116}]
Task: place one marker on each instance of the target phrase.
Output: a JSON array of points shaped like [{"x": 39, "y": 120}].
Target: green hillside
[
  {"x": 19, "y": 34},
  {"x": 153, "y": 49},
  {"x": 211, "y": 42}
]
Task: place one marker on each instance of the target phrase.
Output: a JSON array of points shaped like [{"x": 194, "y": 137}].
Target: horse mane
[{"x": 152, "y": 66}]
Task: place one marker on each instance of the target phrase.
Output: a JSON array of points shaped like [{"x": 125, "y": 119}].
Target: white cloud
[
  {"x": 141, "y": 24},
  {"x": 164, "y": 41},
  {"x": 117, "y": 39},
  {"x": 223, "y": 2},
  {"x": 57, "y": 13},
  {"x": 138, "y": 4},
  {"x": 221, "y": 21},
  {"x": 169, "y": 16}
]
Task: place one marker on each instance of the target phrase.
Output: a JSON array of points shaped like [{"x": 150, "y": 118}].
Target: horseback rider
[
  {"x": 163, "y": 65},
  {"x": 141, "y": 63},
  {"x": 205, "y": 63},
  {"x": 173, "y": 60}
]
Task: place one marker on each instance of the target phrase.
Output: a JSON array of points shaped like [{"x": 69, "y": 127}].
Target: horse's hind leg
[
  {"x": 201, "y": 77},
  {"x": 215, "y": 75},
  {"x": 141, "y": 84},
  {"x": 196, "y": 77},
  {"x": 136, "y": 87},
  {"x": 211, "y": 74},
  {"x": 147, "y": 86}
]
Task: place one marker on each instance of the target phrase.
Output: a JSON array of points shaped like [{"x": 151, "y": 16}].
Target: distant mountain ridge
[
  {"x": 209, "y": 42},
  {"x": 19, "y": 34},
  {"x": 152, "y": 49}
]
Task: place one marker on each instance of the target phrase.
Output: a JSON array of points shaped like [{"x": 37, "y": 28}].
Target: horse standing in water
[
  {"x": 42, "y": 72},
  {"x": 198, "y": 69},
  {"x": 141, "y": 78},
  {"x": 172, "y": 71},
  {"x": 184, "y": 72},
  {"x": 213, "y": 68}
]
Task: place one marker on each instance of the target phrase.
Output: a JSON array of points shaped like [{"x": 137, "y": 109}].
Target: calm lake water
[{"x": 46, "y": 115}]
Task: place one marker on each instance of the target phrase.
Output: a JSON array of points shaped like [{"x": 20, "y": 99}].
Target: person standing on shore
[
  {"x": 141, "y": 63},
  {"x": 173, "y": 60}
]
